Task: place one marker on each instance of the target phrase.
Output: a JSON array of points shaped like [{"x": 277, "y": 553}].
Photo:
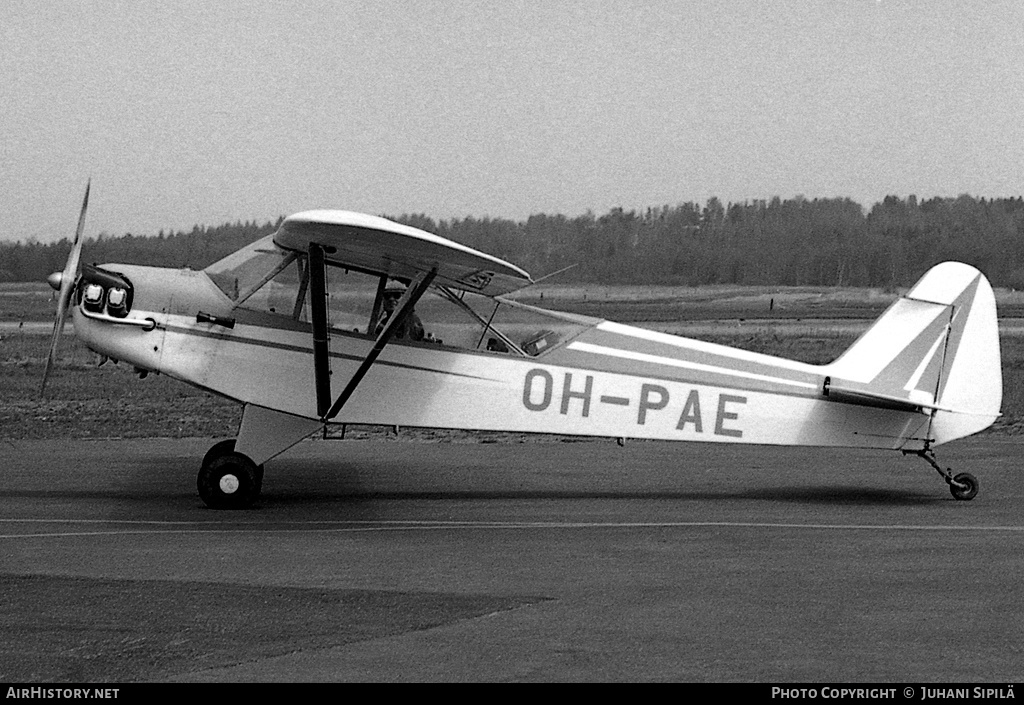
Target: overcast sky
[{"x": 204, "y": 112}]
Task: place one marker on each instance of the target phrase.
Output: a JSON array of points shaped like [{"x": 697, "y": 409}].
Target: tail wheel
[
  {"x": 229, "y": 481},
  {"x": 964, "y": 486}
]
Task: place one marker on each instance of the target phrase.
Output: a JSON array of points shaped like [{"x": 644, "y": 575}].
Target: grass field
[
  {"x": 26, "y": 302},
  {"x": 83, "y": 401}
]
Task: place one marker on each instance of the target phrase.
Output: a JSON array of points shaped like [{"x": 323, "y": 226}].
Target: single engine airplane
[{"x": 294, "y": 327}]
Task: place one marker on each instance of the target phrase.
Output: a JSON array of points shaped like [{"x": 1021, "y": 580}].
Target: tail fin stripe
[{"x": 962, "y": 308}]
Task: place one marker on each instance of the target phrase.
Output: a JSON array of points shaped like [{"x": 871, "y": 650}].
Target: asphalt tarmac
[{"x": 554, "y": 561}]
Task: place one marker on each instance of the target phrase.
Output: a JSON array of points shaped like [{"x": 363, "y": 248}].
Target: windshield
[{"x": 241, "y": 273}]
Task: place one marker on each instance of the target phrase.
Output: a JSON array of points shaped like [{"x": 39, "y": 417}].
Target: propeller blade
[{"x": 67, "y": 281}]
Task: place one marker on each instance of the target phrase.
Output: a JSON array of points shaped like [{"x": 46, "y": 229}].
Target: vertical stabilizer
[{"x": 937, "y": 348}]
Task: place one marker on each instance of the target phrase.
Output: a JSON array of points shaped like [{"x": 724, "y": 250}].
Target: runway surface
[{"x": 403, "y": 560}]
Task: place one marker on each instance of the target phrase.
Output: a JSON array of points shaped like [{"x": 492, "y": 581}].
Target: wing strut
[{"x": 321, "y": 340}]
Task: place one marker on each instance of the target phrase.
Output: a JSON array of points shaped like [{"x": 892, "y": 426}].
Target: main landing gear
[
  {"x": 228, "y": 480},
  {"x": 231, "y": 476},
  {"x": 962, "y": 486}
]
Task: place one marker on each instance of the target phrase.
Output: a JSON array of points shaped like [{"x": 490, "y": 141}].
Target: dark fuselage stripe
[{"x": 309, "y": 351}]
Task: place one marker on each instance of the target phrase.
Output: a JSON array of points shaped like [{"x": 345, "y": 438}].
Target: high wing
[{"x": 380, "y": 246}]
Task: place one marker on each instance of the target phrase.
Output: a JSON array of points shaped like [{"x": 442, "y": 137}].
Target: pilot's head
[{"x": 392, "y": 294}]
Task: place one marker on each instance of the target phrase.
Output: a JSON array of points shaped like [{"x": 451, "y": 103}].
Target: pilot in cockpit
[{"x": 412, "y": 326}]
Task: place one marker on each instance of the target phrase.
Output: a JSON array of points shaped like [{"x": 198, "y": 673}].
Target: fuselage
[{"x": 596, "y": 378}]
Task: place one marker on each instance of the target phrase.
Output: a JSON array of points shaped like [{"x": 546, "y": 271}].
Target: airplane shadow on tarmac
[
  {"x": 845, "y": 496},
  {"x": 356, "y": 504},
  {"x": 161, "y": 487}
]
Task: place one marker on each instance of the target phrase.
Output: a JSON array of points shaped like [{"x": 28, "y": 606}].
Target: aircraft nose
[{"x": 55, "y": 279}]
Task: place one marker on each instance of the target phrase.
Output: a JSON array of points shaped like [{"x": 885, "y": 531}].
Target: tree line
[{"x": 797, "y": 241}]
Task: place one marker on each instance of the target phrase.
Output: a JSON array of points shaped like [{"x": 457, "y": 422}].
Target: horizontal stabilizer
[{"x": 877, "y": 400}]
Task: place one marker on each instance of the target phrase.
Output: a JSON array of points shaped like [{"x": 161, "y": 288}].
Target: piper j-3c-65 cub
[{"x": 298, "y": 328}]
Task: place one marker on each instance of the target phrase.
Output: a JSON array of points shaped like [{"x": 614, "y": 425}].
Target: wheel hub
[{"x": 229, "y": 484}]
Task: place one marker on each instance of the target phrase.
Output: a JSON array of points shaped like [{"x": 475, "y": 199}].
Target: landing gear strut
[
  {"x": 228, "y": 480},
  {"x": 963, "y": 486}
]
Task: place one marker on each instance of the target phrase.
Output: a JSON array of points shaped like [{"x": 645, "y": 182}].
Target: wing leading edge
[{"x": 380, "y": 246}]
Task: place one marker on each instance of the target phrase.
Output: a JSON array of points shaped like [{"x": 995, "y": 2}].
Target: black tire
[
  {"x": 218, "y": 450},
  {"x": 964, "y": 486},
  {"x": 229, "y": 481},
  {"x": 221, "y": 448}
]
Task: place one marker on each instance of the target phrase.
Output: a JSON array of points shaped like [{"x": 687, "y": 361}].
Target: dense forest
[{"x": 784, "y": 242}]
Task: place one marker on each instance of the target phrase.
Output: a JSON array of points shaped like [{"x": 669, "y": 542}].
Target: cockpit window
[
  {"x": 265, "y": 279},
  {"x": 241, "y": 273},
  {"x": 475, "y": 322}
]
